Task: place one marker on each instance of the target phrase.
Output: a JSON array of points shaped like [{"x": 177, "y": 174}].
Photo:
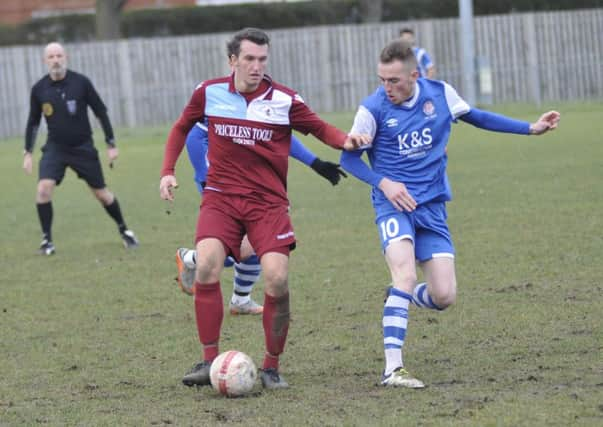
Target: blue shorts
[{"x": 426, "y": 227}]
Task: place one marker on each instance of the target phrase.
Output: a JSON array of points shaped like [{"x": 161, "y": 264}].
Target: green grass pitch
[{"x": 97, "y": 335}]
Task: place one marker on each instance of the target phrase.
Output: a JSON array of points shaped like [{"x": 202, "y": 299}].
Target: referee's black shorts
[{"x": 83, "y": 159}]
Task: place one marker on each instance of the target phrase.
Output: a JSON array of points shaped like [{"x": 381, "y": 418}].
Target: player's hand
[
  {"x": 548, "y": 121},
  {"x": 328, "y": 170},
  {"x": 354, "y": 141},
  {"x": 398, "y": 195},
  {"x": 27, "y": 163},
  {"x": 112, "y": 154},
  {"x": 166, "y": 187}
]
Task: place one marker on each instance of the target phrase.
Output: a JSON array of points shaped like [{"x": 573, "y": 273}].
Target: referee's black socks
[
  {"x": 115, "y": 212},
  {"x": 45, "y": 216}
]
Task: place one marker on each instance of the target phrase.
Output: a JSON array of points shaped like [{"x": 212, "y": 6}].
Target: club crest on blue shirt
[
  {"x": 71, "y": 106},
  {"x": 428, "y": 108}
]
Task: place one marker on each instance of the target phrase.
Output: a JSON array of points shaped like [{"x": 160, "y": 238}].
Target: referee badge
[
  {"x": 47, "y": 109},
  {"x": 71, "y": 106}
]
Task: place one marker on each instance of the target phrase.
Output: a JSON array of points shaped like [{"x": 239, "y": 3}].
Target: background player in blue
[
  {"x": 425, "y": 64},
  {"x": 246, "y": 272},
  {"x": 409, "y": 119}
]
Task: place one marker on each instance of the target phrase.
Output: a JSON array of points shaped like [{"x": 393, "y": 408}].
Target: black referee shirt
[{"x": 64, "y": 104}]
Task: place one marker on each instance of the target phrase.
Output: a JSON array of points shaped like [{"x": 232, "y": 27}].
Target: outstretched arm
[
  {"x": 495, "y": 122},
  {"x": 548, "y": 121},
  {"x": 498, "y": 123},
  {"x": 306, "y": 121}
]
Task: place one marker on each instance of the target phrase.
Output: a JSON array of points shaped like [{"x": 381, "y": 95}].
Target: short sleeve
[
  {"x": 364, "y": 123},
  {"x": 457, "y": 105}
]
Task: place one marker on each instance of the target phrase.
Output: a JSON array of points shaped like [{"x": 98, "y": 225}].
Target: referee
[{"x": 63, "y": 96}]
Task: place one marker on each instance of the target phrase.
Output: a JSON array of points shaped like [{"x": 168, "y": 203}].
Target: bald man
[{"x": 63, "y": 97}]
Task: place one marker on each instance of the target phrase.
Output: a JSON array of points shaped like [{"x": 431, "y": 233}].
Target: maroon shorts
[{"x": 229, "y": 217}]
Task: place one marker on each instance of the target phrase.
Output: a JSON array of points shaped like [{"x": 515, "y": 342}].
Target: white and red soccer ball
[{"x": 233, "y": 373}]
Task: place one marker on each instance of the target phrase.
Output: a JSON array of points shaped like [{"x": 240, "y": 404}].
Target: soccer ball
[{"x": 233, "y": 373}]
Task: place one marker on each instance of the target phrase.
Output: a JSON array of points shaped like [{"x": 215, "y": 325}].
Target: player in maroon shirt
[{"x": 250, "y": 119}]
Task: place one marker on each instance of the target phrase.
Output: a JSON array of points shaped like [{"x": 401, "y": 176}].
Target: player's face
[
  {"x": 56, "y": 60},
  {"x": 397, "y": 80},
  {"x": 250, "y": 66},
  {"x": 408, "y": 37}
]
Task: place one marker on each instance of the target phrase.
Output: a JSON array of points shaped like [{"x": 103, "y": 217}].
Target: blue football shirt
[
  {"x": 409, "y": 139},
  {"x": 424, "y": 61}
]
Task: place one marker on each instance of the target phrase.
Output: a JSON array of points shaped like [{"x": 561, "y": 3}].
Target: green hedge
[
  {"x": 65, "y": 28},
  {"x": 211, "y": 19}
]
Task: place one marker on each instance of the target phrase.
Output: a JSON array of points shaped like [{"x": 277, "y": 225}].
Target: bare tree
[
  {"x": 370, "y": 10},
  {"x": 108, "y": 14}
]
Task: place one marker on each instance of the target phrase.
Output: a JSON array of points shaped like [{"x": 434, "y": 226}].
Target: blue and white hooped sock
[
  {"x": 395, "y": 320},
  {"x": 421, "y": 298},
  {"x": 246, "y": 273}
]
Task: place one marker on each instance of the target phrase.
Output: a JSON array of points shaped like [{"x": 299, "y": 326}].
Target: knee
[
  {"x": 404, "y": 280},
  {"x": 44, "y": 194},
  {"x": 104, "y": 196},
  {"x": 444, "y": 297},
  {"x": 276, "y": 282},
  {"x": 208, "y": 270},
  {"x": 210, "y": 260},
  {"x": 247, "y": 252}
]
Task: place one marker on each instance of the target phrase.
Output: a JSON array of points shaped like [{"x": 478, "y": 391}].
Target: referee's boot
[
  {"x": 46, "y": 247},
  {"x": 129, "y": 239}
]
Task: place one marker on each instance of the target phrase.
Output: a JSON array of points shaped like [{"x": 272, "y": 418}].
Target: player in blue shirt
[
  {"x": 246, "y": 272},
  {"x": 409, "y": 120},
  {"x": 425, "y": 65}
]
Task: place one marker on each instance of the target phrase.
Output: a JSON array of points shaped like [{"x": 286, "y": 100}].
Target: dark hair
[
  {"x": 255, "y": 35},
  {"x": 398, "y": 50},
  {"x": 406, "y": 30}
]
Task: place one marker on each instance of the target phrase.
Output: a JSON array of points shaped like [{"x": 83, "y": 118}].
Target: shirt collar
[
  {"x": 265, "y": 95},
  {"x": 410, "y": 102}
]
